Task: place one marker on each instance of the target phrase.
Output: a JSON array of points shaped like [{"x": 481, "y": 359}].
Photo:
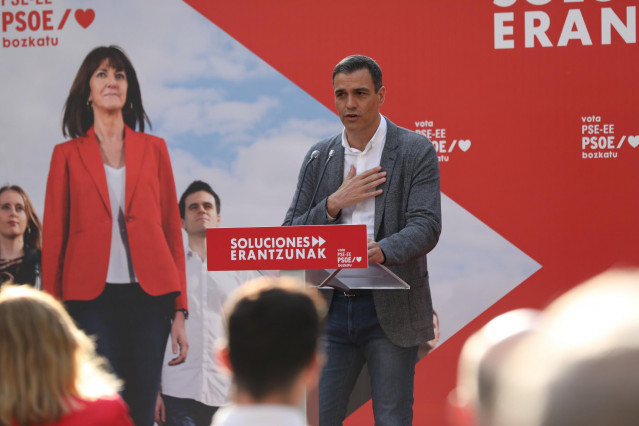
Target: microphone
[
  {"x": 331, "y": 154},
  {"x": 312, "y": 158},
  {"x": 314, "y": 155}
]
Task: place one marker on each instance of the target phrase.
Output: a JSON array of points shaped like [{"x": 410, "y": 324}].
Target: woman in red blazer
[{"x": 112, "y": 242}]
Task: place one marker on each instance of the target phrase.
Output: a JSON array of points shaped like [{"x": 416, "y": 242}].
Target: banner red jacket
[{"x": 77, "y": 219}]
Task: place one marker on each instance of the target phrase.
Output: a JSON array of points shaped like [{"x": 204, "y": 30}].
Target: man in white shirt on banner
[
  {"x": 272, "y": 349},
  {"x": 192, "y": 391}
]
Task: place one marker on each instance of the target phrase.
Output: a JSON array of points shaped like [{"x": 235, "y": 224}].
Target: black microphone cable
[
  {"x": 331, "y": 154},
  {"x": 313, "y": 156}
]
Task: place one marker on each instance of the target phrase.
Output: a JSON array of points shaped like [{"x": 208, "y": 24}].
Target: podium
[
  {"x": 320, "y": 255},
  {"x": 375, "y": 277}
]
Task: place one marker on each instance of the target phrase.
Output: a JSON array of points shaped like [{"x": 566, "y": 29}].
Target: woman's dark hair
[
  {"x": 78, "y": 116},
  {"x": 34, "y": 227}
]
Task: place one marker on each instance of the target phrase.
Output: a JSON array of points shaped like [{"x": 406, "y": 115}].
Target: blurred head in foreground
[
  {"x": 273, "y": 331},
  {"x": 473, "y": 399},
  {"x": 581, "y": 365},
  {"x": 46, "y": 362}
]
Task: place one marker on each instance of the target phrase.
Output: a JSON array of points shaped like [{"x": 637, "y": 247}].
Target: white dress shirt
[
  {"x": 259, "y": 415},
  {"x": 199, "y": 377},
  {"x": 364, "y": 211}
]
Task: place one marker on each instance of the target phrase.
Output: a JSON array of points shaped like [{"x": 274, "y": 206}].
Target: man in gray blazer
[{"x": 385, "y": 177}]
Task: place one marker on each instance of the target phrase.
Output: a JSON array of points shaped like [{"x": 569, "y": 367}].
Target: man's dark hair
[
  {"x": 273, "y": 330},
  {"x": 197, "y": 186},
  {"x": 353, "y": 63}
]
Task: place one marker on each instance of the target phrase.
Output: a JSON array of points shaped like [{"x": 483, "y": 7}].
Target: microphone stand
[
  {"x": 331, "y": 154},
  {"x": 314, "y": 155}
]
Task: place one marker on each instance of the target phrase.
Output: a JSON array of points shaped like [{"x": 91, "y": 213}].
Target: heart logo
[
  {"x": 464, "y": 144},
  {"x": 633, "y": 141},
  {"x": 358, "y": 259},
  {"x": 84, "y": 17}
]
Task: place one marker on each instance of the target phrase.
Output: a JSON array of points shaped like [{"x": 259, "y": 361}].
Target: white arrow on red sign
[{"x": 318, "y": 241}]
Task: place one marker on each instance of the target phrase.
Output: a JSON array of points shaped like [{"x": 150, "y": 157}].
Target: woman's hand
[{"x": 160, "y": 411}]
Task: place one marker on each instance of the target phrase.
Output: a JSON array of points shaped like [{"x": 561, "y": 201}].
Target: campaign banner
[
  {"x": 287, "y": 247},
  {"x": 530, "y": 105}
]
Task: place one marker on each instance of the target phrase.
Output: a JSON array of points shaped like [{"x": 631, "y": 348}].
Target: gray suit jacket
[{"x": 407, "y": 224}]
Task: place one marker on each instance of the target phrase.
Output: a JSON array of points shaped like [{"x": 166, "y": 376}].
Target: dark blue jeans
[
  {"x": 354, "y": 337},
  {"x": 187, "y": 412},
  {"x": 131, "y": 328}
]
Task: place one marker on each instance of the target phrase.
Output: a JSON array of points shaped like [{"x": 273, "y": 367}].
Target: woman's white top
[{"x": 120, "y": 266}]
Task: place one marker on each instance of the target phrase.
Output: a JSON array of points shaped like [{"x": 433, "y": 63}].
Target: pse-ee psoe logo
[
  {"x": 38, "y": 23},
  {"x": 599, "y": 139},
  {"x": 539, "y": 27},
  {"x": 438, "y": 137}
]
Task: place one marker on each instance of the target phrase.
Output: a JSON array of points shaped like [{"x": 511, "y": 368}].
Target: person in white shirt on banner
[
  {"x": 272, "y": 349},
  {"x": 192, "y": 391}
]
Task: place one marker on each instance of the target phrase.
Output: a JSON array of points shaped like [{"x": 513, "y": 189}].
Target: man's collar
[{"x": 378, "y": 136}]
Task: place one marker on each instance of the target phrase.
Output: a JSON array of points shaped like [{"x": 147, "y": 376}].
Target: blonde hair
[{"x": 46, "y": 362}]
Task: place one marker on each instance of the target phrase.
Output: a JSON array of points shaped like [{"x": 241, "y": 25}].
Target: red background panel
[{"x": 522, "y": 108}]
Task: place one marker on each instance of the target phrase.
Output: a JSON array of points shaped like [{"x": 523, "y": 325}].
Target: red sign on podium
[{"x": 287, "y": 247}]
